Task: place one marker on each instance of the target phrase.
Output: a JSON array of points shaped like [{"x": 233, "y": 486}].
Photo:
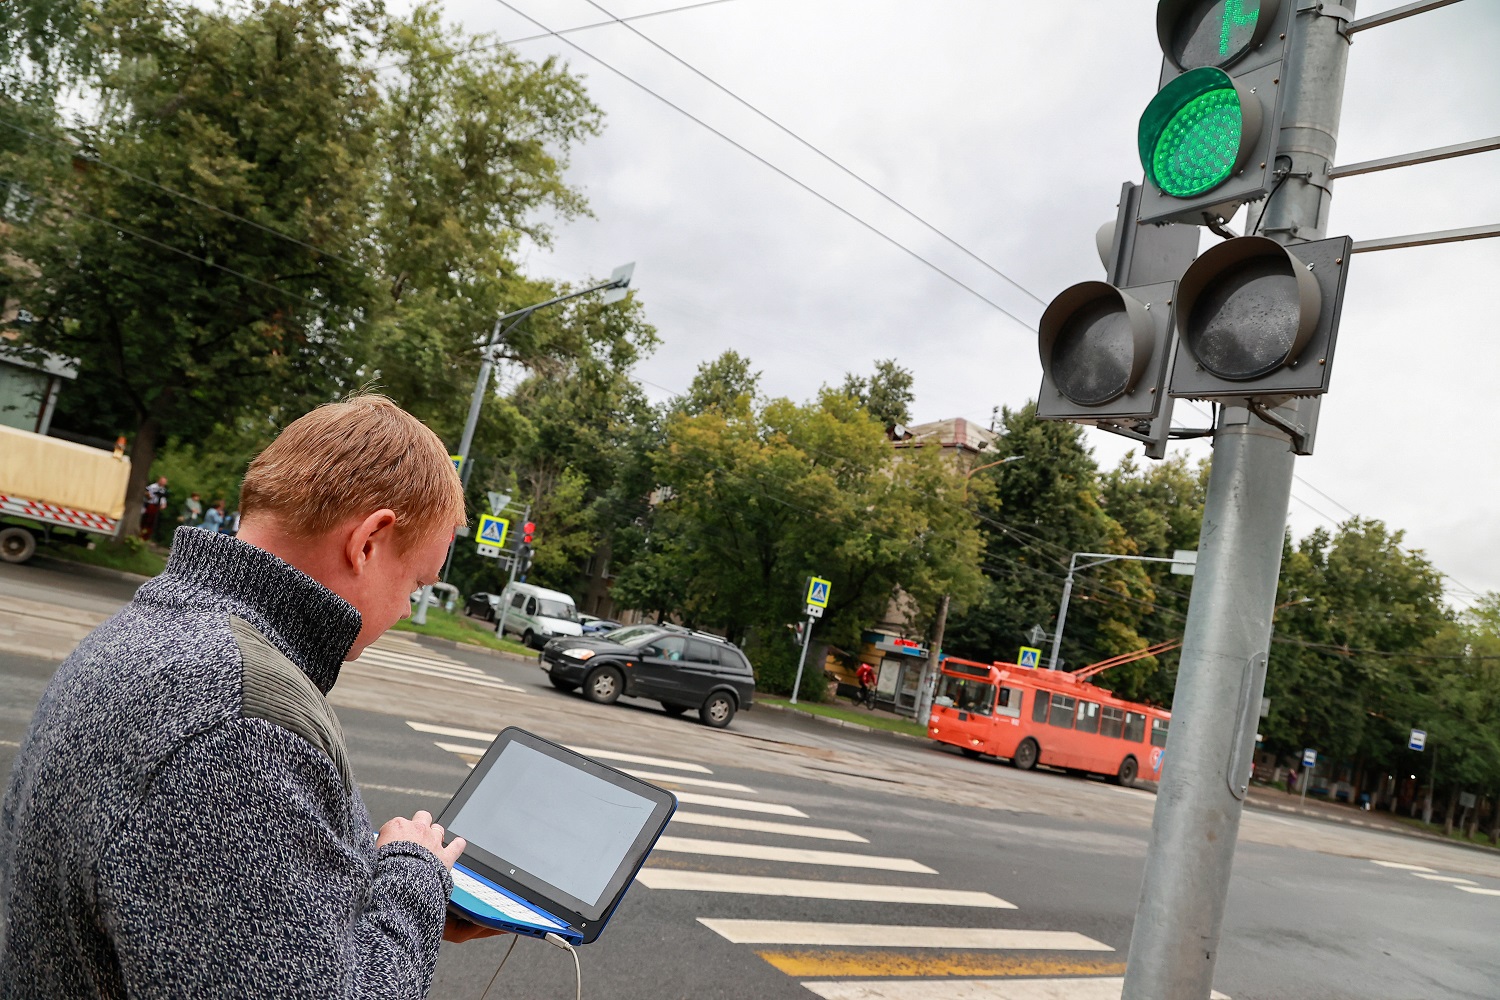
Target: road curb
[
  {"x": 86, "y": 569},
  {"x": 1398, "y": 830},
  {"x": 841, "y": 723},
  {"x": 438, "y": 642}
]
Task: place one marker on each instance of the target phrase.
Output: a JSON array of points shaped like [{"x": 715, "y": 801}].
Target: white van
[{"x": 536, "y": 614}]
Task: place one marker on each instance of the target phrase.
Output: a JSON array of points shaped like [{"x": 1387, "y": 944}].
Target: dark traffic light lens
[
  {"x": 1214, "y": 32},
  {"x": 1245, "y": 324},
  {"x": 1094, "y": 354}
]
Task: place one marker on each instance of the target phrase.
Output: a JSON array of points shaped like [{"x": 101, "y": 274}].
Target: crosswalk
[
  {"x": 794, "y": 858},
  {"x": 1433, "y": 875},
  {"x": 394, "y": 654}
]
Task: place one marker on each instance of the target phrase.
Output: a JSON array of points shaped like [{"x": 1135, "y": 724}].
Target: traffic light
[
  {"x": 1258, "y": 321},
  {"x": 528, "y": 532},
  {"x": 1105, "y": 345},
  {"x": 1208, "y": 139},
  {"x": 523, "y": 561}
]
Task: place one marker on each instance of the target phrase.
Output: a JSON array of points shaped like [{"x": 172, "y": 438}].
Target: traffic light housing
[
  {"x": 1208, "y": 139},
  {"x": 523, "y": 560},
  {"x": 1259, "y": 321},
  {"x": 1104, "y": 352},
  {"x": 528, "y": 532}
]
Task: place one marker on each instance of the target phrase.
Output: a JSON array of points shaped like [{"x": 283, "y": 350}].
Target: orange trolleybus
[{"x": 1034, "y": 716}]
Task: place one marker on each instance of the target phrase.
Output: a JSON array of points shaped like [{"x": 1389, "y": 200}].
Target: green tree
[
  {"x": 760, "y": 495},
  {"x": 241, "y": 288},
  {"x": 886, "y": 394},
  {"x": 1043, "y": 507}
]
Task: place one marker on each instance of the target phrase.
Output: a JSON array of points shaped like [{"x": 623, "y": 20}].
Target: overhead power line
[
  {"x": 778, "y": 170},
  {"x": 808, "y": 145},
  {"x": 501, "y": 43}
]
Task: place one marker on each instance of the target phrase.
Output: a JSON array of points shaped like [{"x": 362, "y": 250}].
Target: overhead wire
[
  {"x": 815, "y": 149},
  {"x": 779, "y": 171}
]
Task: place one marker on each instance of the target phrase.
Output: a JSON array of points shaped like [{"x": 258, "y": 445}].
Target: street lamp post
[
  {"x": 615, "y": 287},
  {"x": 1073, "y": 567}
]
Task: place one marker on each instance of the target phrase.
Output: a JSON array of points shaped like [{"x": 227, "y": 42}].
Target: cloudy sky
[{"x": 1010, "y": 126}]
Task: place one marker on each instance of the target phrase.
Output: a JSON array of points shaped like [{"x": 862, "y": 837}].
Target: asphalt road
[{"x": 874, "y": 868}]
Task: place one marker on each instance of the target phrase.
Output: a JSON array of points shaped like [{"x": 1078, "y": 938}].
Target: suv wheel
[
  {"x": 604, "y": 686},
  {"x": 717, "y": 710}
]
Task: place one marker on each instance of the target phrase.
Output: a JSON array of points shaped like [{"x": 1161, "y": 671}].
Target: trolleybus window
[
  {"x": 1113, "y": 721},
  {"x": 1135, "y": 727},
  {"x": 966, "y": 695},
  {"x": 1039, "y": 707},
  {"x": 1088, "y": 716},
  {"x": 1158, "y": 732},
  {"x": 1062, "y": 711},
  {"x": 1010, "y": 702}
]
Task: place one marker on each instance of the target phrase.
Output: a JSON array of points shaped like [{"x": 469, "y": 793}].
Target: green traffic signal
[{"x": 1193, "y": 135}]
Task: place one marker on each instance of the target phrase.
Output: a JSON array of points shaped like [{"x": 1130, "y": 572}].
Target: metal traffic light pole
[{"x": 1175, "y": 941}]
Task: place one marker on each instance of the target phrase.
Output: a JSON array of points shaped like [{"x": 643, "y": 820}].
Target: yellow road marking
[{"x": 954, "y": 963}]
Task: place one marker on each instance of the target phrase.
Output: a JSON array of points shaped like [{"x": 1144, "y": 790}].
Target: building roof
[{"x": 955, "y": 432}]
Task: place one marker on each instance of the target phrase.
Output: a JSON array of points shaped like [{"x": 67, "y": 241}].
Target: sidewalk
[{"x": 1262, "y": 797}]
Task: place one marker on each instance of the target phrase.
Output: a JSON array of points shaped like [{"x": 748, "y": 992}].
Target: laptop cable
[
  {"x": 559, "y": 942},
  {"x": 553, "y": 939}
]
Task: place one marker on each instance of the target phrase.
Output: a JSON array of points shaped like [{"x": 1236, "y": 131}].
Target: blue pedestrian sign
[
  {"x": 1030, "y": 657},
  {"x": 817, "y": 592},
  {"x": 492, "y": 530},
  {"x": 1418, "y": 740}
]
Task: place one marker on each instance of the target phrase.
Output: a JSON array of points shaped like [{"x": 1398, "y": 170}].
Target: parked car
[
  {"x": 683, "y": 670},
  {"x": 594, "y": 625},
  {"x": 536, "y": 614},
  {"x": 483, "y": 605}
]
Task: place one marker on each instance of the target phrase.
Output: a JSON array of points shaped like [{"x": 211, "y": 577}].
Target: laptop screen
[{"x": 558, "y": 823}]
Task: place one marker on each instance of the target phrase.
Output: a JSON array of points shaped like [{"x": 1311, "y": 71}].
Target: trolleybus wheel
[
  {"x": 1128, "y": 770},
  {"x": 1026, "y": 755}
]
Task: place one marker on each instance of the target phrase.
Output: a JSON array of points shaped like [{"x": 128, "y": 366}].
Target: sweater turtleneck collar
[{"x": 310, "y": 624}]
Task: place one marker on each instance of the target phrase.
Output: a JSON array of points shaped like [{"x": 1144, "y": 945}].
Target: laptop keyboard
[{"x": 511, "y": 908}]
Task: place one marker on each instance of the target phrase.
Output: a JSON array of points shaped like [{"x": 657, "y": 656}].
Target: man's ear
[{"x": 375, "y": 529}]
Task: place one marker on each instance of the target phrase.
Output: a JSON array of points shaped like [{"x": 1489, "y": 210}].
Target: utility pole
[
  {"x": 930, "y": 668},
  {"x": 1175, "y": 941}
]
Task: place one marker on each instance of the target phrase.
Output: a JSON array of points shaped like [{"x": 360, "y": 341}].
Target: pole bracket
[{"x": 1296, "y": 431}]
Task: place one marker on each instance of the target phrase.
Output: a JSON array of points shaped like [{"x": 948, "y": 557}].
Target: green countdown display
[{"x": 1213, "y": 32}]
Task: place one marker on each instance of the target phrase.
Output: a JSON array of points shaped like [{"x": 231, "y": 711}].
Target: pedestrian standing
[
  {"x": 182, "y": 818},
  {"x": 152, "y": 504},
  {"x": 213, "y": 518},
  {"x": 192, "y": 511},
  {"x": 1291, "y": 781}
]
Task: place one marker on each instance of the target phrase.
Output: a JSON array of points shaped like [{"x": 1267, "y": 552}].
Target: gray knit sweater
[{"x": 181, "y": 820}]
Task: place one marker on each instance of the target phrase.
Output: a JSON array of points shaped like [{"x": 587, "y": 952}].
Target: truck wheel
[
  {"x": 1026, "y": 755},
  {"x": 16, "y": 545}
]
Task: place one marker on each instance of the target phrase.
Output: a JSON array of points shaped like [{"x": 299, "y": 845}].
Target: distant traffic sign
[
  {"x": 458, "y": 463},
  {"x": 1030, "y": 657},
  {"x": 1418, "y": 740},
  {"x": 818, "y": 590},
  {"x": 813, "y": 611},
  {"x": 492, "y": 530},
  {"x": 488, "y": 551},
  {"x": 1310, "y": 758}
]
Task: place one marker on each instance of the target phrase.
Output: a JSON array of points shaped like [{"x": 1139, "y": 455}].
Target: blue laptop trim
[{"x": 583, "y": 920}]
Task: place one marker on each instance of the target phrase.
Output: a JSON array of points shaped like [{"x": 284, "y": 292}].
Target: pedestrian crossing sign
[
  {"x": 1030, "y": 657},
  {"x": 817, "y": 592},
  {"x": 492, "y": 531},
  {"x": 458, "y": 463}
]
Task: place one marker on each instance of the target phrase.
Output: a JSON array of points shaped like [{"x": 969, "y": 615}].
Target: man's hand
[
  {"x": 458, "y": 930},
  {"x": 420, "y": 829}
]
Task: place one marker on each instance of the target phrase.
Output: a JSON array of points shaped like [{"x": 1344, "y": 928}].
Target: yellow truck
[{"x": 47, "y": 483}]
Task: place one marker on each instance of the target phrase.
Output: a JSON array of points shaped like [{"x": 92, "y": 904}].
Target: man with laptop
[{"x": 181, "y": 819}]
